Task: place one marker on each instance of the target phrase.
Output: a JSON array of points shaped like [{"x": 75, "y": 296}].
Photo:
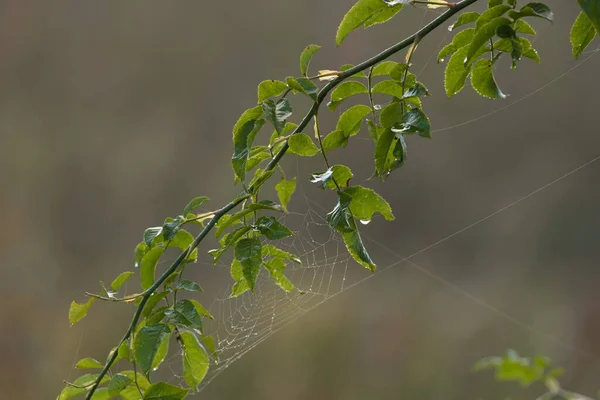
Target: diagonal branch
[{"x": 455, "y": 8}]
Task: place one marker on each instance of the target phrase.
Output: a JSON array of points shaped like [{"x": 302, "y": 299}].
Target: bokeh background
[{"x": 114, "y": 114}]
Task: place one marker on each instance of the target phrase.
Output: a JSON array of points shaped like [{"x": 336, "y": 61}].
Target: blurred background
[{"x": 114, "y": 114}]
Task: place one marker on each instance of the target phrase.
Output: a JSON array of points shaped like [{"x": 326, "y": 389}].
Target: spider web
[{"x": 242, "y": 323}]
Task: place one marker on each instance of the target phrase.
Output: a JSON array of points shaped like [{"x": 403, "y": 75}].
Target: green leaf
[
  {"x": 148, "y": 266},
  {"x": 277, "y": 113},
  {"x": 260, "y": 177},
  {"x": 152, "y": 302},
  {"x": 187, "y": 285},
  {"x": 334, "y": 139},
  {"x": 539, "y": 10},
  {"x": 592, "y": 9},
  {"x": 79, "y": 310},
  {"x": 483, "y": 35},
  {"x": 494, "y": 3},
  {"x": 145, "y": 346},
  {"x": 357, "y": 250},
  {"x": 248, "y": 253},
  {"x": 86, "y": 381},
  {"x": 237, "y": 218},
  {"x": 482, "y": 79},
  {"x": 302, "y": 145},
  {"x": 464, "y": 19},
  {"x": 184, "y": 313},
  {"x": 345, "y": 90},
  {"x": 239, "y": 288},
  {"x": 385, "y": 68},
  {"x": 270, "y": 88},
  {"x": 365, "y": 202},
  {"x": 164, "y": 391},
  {"x": 227, "y": 241},
  {"x": 209, "y": 344},
  {"x": 272, "y": 229},
  {"x": 195, "y": 360},
  {"x": 346, "y": 67},
  {"x": 340, "y": 217},
  {"x": 170, "y": 228},
  {"x": 276, "y": 266},
  {"x": 252, "y": 114},
  {"x": 201, "y": 310},
  {"x": 384, "y": 15},
  {"x": 195, "y": 203},
  {"x": 306, "y": 56},
  {"x": 285, "y": 190},
  {"x": 88, "y": 363},
  {"x": 255, "y": 160},
  {"x": 582, "y": 34},
  {"x": 358, "y": 15},
  {"x": 140, "y": 250},
  {"x": 120, "y": 280},
  {"x": 142, "y": 381},
  {"x": 389, "y": 87},
  {"x": 351, "y": 120},
  {"x": 339, "y": 174},
  {"x": 161, "y": 353},
  {"x": 391, "y": 114},
  {"x": 461, "y": 39},
  {"x": 243, "y": 139},
  {"x": 117, "y": 383},
  {"x": 457, "y": 71},
  {"x": 490, "y": 14},
  {"x": 390, "y": 152},
  {"x": 303, "y": 85},
  {"x": 522, "y": 26},
  {"x": 268, "y": 250},
  {"x": 414, "y": 121},
  {"x": 151, "y": 234}
]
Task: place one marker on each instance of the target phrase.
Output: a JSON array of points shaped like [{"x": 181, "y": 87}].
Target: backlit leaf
[
  {"x": 306, "y": 56},
  {"x": 195, "y": 203},
  {"x": 351, "y": 120},
  {"x": 146, "y": 344},
  {"x": 365, "y": 202},
  {"x": 357, "y": 250},
  {"x": 359, "y": 14},
  {"x": 302, "y": 145},
  {"x": 248, "y": 254},
  {"x": 592, "y": 9},
  {"x": 164, "y": 391},
  {"x": 285, "y": 190},
  {"x": 582, "y": 34},
  {"x": 482, "y": 79},
  {"x": 195, "y": 360},
  {"x": 270, "y": 88},
  {"x": 272, "y": 229},
  {"x": 148, "y": 266},
  {"x": 345, "y": 90},
  {"x": 339, "y": 174},
  {"x": 79, "y": 310}
]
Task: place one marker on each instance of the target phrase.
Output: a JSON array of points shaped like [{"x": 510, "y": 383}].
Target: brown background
[{"x": 113, "y": 114}]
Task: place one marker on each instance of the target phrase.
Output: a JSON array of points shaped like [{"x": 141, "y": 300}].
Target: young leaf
[
  {"x": 275, "y": 266},
  {"x": 490, "y": 14},
  {"x": 339, "y": 174},
  {"x": 270, "y": 88},
  {"x": 592, "y": 9},
  {"x": 351, "y": 120},
  {"x": 146, "y": 344},
  {"x": 148, "y": 266},
  {"x": 384, "y": 15},
  {"x": 88, "y": 363},
  {"x": 187, "y": 285},
  {"x": 306, "y": 56},
  {"x": 334, "y": 139},
  {"x": 201, "y": 310},
  {"x": 195, "y": 360},
  {"x": 277, "y": 113},
  {"x": 117, "y": 383},
  {"x": 195, "y": 203},
  {"x": 242, "y": 140},
  {"x": 461, "y": 39},
  {"x": 483, "y": 35},
  {"x": 164, "y": 391},
  {"x": 582, "y": 34},
  {"x": 345, "y": 90},
  {"x": 79, "y": 310},
  {"x": 358, "y": 15},
  {"x": 522, "y": 26},
  {"x": 303, "y": 85},
  {"x": 456, "y": 72},
  {"x": 272, "y": 229},
  {"x": 482, "y": 79},
  {"x": 285, "y": 190},
  {"x": 268, "y": 250},
  {"x": 357, "y": 250},
  {"x": 464, "y": 19},
  {"x": 248, "y": 254},
  {"x": 302, "y": 145},
  {"x": 346, "y": 67},
  {"x": 365, "y": 202}
]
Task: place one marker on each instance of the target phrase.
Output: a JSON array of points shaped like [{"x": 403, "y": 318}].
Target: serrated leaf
[
  {"x": 152, "y": 302},
  {"x": 464, "y": 19},
  {"x": 237, "y": 218},
  {"x": 582, "y": 34},
  {"x": 384, "y": 15},
  {"x": 359, "y": 74},
  {"x": 79, "y": 310},
  {"x": 209, "y": 344},
  {"x": 145, "y": 346},
  {"x": 302, "y": 145},
  {"x": 592, "y": 9},
  {"x": 184, "y": 313},
  {"x": 195, "y": 360},
  {"x": 187, "y": 285},
  {"x": 195, "y": 203},
  {"x": 242, "y": 140},
  {"x": 482, "y": 79},
  {"x": 148, "y": 267},
  {"x": 239, "y": 288},
  {"x": 340, "y": 217},
  {"x": 522, "y": 26},
  {"x": 306, "y": 56},
  {"x": 227, "y": 241},
  {"x": 285, "y": 190},
  {"x": 390, "y": 153},
  {"x": 151, "y": 234},
  {"x": 201, "y": 310},
  {"x": 351, "y": 120},
  {"x": 339, "y": 174},
  {"x": 461, "y": 39},
  {"x": 456, "y": 72},
  {"x": 385, "y": 68},
  {"x": 490, "y": 14},
  {"x": 359, "y": 14},
  {"x": 303, "y": 85},
  {"x": 344, "y": 91},
  {"x": 334, "y": 139},
  {"x": 270, "y": 88},
  {"x": 86, "y": 381},
  {"x": 248, "y": 254},
  {"x": 272, "y": 229},
  {"x": 276, "y": 266},
  {"x": 365, "y": 202},
  {"x": 117, "y": 383},
  {"x": 268, "y": 250},
  {"x": 120, "y": 280},
  {"x": 277, "y": 113},
  {"x": 164, "y": 391},
  {"x": 539, "y": 10},
  {"x": 88, "y": 363},
  {"x": 260, "y": 177},
  {"x": 357, "y": 250},
  {"x": 483, "y": 35},
  {"x": 414, "y": 121}
]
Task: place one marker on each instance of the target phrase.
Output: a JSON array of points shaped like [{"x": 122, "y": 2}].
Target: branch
[{"x": 457, "y": 7}]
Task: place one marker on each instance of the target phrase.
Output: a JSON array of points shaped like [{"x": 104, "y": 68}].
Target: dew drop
[
  {"x": 451, "y": 27},
  {"x": 365, "y": 221}
]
